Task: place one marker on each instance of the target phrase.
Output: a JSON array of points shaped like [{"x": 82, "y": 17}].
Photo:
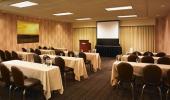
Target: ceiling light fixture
[
  {"x": 84, "y": 19},
  {"x": 126, "y": 16},
  {"x": 24, "y": 4},
  {"x": 63, "y": 14},
  {"x": 119, "y": 8}
]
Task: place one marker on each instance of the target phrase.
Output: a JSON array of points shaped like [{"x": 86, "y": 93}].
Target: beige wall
[{"x": 52, "y": 33}]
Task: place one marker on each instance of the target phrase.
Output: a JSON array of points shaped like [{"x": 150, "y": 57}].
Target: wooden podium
[{"x": 85, "y": 46}]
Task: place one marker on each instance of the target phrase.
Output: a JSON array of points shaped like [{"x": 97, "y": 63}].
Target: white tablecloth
[
  {"x": 76, "y": 63},
  {"x": 26, "y": 56},
  {"x": 95, "y": 60},
  {"x": 50, "y": 52},
  {"x": 125, "y": 58},
  {"x": 137, "y": 69},
  {"x": 50, "y": 77}
]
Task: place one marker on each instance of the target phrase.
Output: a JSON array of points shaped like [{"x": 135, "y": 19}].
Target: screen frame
[{"x": 108, "y": 21}]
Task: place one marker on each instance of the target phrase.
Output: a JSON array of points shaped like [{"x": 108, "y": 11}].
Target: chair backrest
[
  {"x": 137, "y": 53},
  {"x": 14, "y": 55},
  {"x": 52, "y": 48},
  {"x": 2, "y": 55},
  {"x": 8, "y": 55},
  {"x": 37, "y": 51},
  {"x": 39, "y": 47},
  {"x": 45, "y": 47},
  {"x": 37, "y": 58},
  {"x": 18, "y": 76},
  {"x": 160, "y": 54},
  {"x": 82, "y": 55},
  {"x": 5, "y": 73},
  {"x": 61, "y": 63},
  {"x": 125, "y": 72},
  {"x": 152, "y": 74},
  {"x": 148, "y": 53},
  {"x": 147, "y": 59},
  {"x": 46, "y": 57},
  {"x": 59, "y": 53},
  {"x": 164, "y": 60},
  {"x": 24, "y": 50},
  {"x": 32, "y": 50},
  {"x": 132, "y": 58},
  {"x": 71, "y": 54}
]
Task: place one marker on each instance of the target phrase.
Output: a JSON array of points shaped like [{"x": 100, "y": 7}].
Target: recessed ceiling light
[
  {"x": 24, "y": 4},
  {"x": 126, "y": 16},
  {"x": 63, "y": 14},
  {"x": 84, "y": 19},
  {"x": 119, "y": 8}
]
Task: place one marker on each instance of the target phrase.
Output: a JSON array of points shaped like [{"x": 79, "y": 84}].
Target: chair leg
[
  {"x": 23, "y": 94},
  {"x": 167, "y": 93},
  {"x": 132, "y": 88},
  {"x": 10, "y": 92},
  {"x": 160, "y": 93},
  {"x": 141, "y": 96},
  {"x": 65, "y": 80}
]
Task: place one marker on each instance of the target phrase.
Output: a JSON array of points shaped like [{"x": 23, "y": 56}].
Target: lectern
[{"x": 85, "y": 46}]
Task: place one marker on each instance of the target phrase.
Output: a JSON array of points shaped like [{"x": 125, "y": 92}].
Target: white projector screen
[{"x": 108, "y": 30}]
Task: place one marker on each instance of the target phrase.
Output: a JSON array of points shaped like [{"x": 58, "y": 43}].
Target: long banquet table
[
  {"x": 76, "y": 63},
  {"x": 50, "y": 77},
  {"x": 95, "y": 59},
  {"x": 26, "y": 56},
  {"x": 50, "y": 52},
  {"x": 137, "y": 69}
]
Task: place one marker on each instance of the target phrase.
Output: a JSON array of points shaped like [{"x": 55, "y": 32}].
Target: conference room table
[
  {"x": 26, "y": 56},
  {"x": 125, "y": 58},
  {"x": 49, "y": 76},
  {"x": 137, "y": 69},
  {"x": 50, "y": 52},
  {"x": 95, "y": 60},
  {"x": 73, "y": 62}
]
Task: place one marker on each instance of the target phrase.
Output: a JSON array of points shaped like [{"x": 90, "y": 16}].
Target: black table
[{"x": 108, "y": 51}]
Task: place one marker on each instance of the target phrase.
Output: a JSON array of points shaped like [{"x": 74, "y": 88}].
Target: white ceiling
[{"x": 89, "y": 8}]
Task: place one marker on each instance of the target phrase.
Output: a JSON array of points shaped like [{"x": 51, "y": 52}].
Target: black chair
[
  {"x": 147, "y": 59},
  {"x": 15, "y": 56},
  {"x": 39, "y": 47},
  {"x": 2, "y": 55},
  {"x": 45, "y": 47},
  {"x": 63, "y": 69},
  {"x": 164, "y": 60},
  {"x": 152, "y": 77},
  {"x": 24, "y": 50},
  {"x": 137, "y": 53},
  {"x": 59, "y": 53},
  {"x": 52, "y": 48},
  {"x": 125, "y": 75},
  {"x": 37, "y": 58},
  {"x": 168, "y": 83},
  {"x": 37, "y": 51},
  {"x": 6, "y": 80},
  {"x": 160, "y": 54},
  {"x": 148, "y": 53},
  {"x": 8, "y": 55},
  {"x": 71, "y": 54},
  {"x": 132, "y": 58},
  {"x": 32, "y": 50},
  {"x": 87, "y": 62},
  {"x": 23, "y": 83}
]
